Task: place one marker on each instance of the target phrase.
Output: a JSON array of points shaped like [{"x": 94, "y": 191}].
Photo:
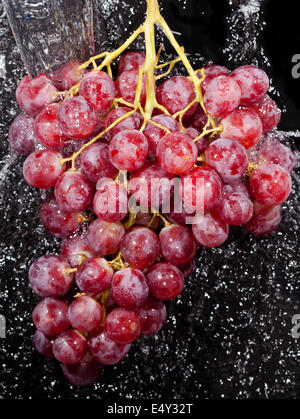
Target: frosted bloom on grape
[
  {"x": 129, "y": 288},
  {"x": 68, "y": 75},
  {"x": 94, "y": 276},
  {"x": 235, "y": 209},
  {"x": 110, "y": 201},
  {"x": 212, "y": 71},
  {"x": 154, "y": 133},
  {"x": 43, "y": 344},
  {"x": 85, "y": 314},
  {"x": 265, "y": 219},
  {"x": 268, "y": 112},
  {"x": 50, "y": 316},
  {"x": 42, "y": 168},
  {"x": 106, "y": 351},
  {"x": 49, "y": 276},
  {"x": 166, "y": 281},
  {"x": 98, "y": 89},
  {"x": 33, "y": 94},
  {"x": 228, "y": 157},
  {"x": 209, "y": 230},
  {"x": 177, "y": 244},
  {"x": 270, "y": 184},
  {"x": 272, "y": 151},
  {"x": 21, "y": 136},
  {"x": 132, "y": 60},
  {"x": 222, "y": 96},
  {"x": 105, "y": 238},
  {"x": 153, "y": 315},
  {"x": 253, "y": 82},
  {"x": 70, "y": 347},
  {"x": 128, "y": 150},
  {"x": 76, "y": 250},
  {"x": 47, "y": 129},
  {"x": 126, "y": 85},
  {"x": 244, "y": 126},
  {"x": 84, "y": 373},
  {"x": 131, "y": 122},
  {"x": 95, "y": 163},
  {"x": 122, "y": 326}
]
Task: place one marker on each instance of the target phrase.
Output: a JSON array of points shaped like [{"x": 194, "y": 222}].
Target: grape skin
[
  {"x": 122, "y": 326},
  {"x": 131, "y": 122},
  {"x": 84, "y": 373},
  {"x": 128, "y": 150},
  {"x": 76, "y": 250},
  {"x": 94, "y": 276},
  {"x": 85, "y": 314},
  {"x": 166, "y": 281},
  {"x": 68, "y": 75},
  {"x": 42, "y": 344},
  {"x": 21, "y": 136},
  {"x": 140, "y": 247},
  {"x": 235, "y": 209},
  {"x": 265, "y": 219},
  {"x": 106, "y": 351},
  {"x": 98, "y": 89},
  {"x": 153, "y": 315},
  {"x": 272, "y": 151},
  {"x": 50, "y": 316},
  {"x": 212, "y": 71},
  {"x": 73, "y": 193},
  {"x": 244, "y": 126},
  {"x": 268, "y": 112},
  {"x": 270, "y": 184},
  {"x": 47, "y": 129},
  {"x": 132, "y": 60},
  {"x": 56, "y": 221},
  {"x": 229, "y": 159},
  {"x": 210, "y": 231},
  {"x": 154, "y": 133},
  {"x": 129, "y": 288},
  {"x": 49, "y": 277},
  {"x": 126, "y": 85},
  {"x": 253, "y": 82},
  {"x": 222, "y": 96},
  {"x": 95, "y": 163},
  {"x": 177, "y": 244},
  {"x": 105, "y": 238},
  {"x": 42, "y": 168},
  {"x": 176, "y": 153},
  {"x": 70, "y": 347},
  {"x": 110, "y": 201}
]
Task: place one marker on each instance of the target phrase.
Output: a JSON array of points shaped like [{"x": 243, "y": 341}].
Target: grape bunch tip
[{"x": 139, "y": 174}]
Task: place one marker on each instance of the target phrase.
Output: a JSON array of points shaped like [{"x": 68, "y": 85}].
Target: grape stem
[{"x": 148, "y": 71}]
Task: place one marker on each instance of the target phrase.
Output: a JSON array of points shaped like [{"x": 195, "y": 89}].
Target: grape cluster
[{"x": 90, "y": 141}]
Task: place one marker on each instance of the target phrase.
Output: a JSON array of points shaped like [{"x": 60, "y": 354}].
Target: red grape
[
  {"x": 84, "y": 373},
  {"x": 33, "y": 94},
  {"x": 253, "y": 82},
  {"x": 201, "y": 189},
  {"x": 176, "y": 94},
  {"x": 188, "y": 269},
  {"x": 222, "y": 96},
  {"x": 128, "y": 150},
  {"x": 198, "y": 120},
  {"x": 177, "y": 244},
  {"x": 140, "y": 247},
  {"x": 235, "y": 209},
  {"x": 110, "y": 201},
  {"x": 265, "y": 219},
  {"x": 237, "y": 187},
  {"x": 131, "y": 122},
  {"x": 47, "y": 129},
  {"x": 49, "y": 276},
  {"x": 268, "y": 112},
  {"x": 21, "y": 136},
  {"x": 126, "y": 85},
  {"x": 212, "y": 71},
  {"x": 129, "y": 288},
  {"x": 98, "y": 89},
  {"x": 166, "y": 281},
  {"x": 272, "y": 151},
  {"x": 73, "y": 193},
  {"x": 42, "y": 168},
  {"x": 132, "y": 60},
  {"x": 76, "y": 250},
  {"x": 43, "y": 344},
  {"x": 209, "y": 230},
  {"x": 154, "y": 133},
  {"x": 50, "y": 316},
  {"x": 58, "y": 222},
  {"x": 95, "y": 162},
  {"x": 106, "y": 351},
  {"x": 153, "y": 315},
  {"x": 77, "y": 118},
  {"x": 70, "y": 347},
  {"x": 270, "y": 184},
  {"x": 94, "y": 276},
  {"x": 68, "y": 75},
  {"x": 122, "y": 326},
  {"x": 150, "y": 185},
  {"x": 105, "y": 238},
  {"x": 176, "y": 153},
  {"x": 228, "y": 157},
  {"x": 244, "y": 126},
  {"x": 85, "y": 314}
]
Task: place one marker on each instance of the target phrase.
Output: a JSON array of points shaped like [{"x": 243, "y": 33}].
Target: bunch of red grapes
[{"x": 116, "y": 268}]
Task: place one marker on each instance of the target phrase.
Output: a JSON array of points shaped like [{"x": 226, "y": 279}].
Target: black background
[{"x": 229, "y": 334}]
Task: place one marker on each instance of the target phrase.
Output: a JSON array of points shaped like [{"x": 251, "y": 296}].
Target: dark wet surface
[{"x": 229, "y": 334}]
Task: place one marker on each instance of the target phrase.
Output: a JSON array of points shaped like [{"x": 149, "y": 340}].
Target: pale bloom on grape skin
[
  {"x": 76, "y": 250},
  {"x": 265, "y": 219},
  {"x": 210, "y": 231},
  {"x": 222, "y": 96},
  {"x": 21, "y": 136},
  {"x": 105, "y": 238},
  {"x": 106, "y": 351},
  {"x": 253, "y": 82},
  {"x": 50, "y": 316},
  {"x": 84, "y": 373}
]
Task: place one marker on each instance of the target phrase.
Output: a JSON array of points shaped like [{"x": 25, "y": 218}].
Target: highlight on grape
[{"x": 141, "y": 168}]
